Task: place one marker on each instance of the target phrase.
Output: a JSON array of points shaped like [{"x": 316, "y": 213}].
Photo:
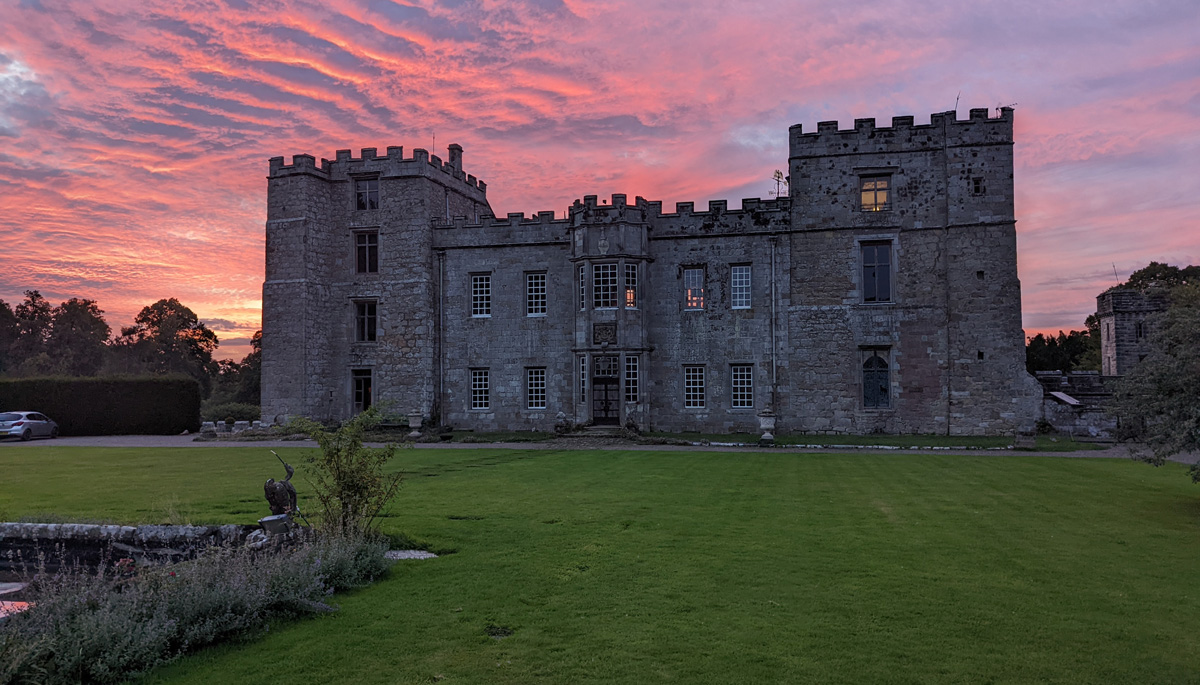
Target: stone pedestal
[{"x": 766, "y": 423}]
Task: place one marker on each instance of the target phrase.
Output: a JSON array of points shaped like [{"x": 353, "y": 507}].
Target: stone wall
[{"x": 1126, "y": 317}]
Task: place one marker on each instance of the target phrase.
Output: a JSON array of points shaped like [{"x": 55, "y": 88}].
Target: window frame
[
  {"x": 691, "y": 301},
  {"x": 873, "y": 278},
  {"x": 481, "y": 389},
  {"x": 536, "y": 303},
  {"x": 694, "y": 387},
  {"x": 366, "y": 321},
  {"x": 630, "y": 300},
  {"x": 481, "y": 295},
  {"x": 632, "y": 379},
  {"x": 366, "y": 252},
  {"x": 366, "y": 194},
  {"x": 362, "y": 394},
  {"x": 741, "y": 386},
  {"x": 740, "y": 292},
  {"x": 583, "y": 298},
  {"x": 881, "y": 397},
  {"x": 583, "y": 378},
  {"x": 873, "y": 180},
  {"x": 604, "y": 293},
  {"x": 535, "y": 387}
]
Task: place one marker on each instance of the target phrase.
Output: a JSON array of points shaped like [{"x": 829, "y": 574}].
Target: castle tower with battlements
[{"x": 880, "y": 296}]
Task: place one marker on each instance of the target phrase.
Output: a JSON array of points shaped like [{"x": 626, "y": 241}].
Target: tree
[
  {"x": 250, "y": 382},
  {"x": 34, "y": 320},
  {"x": 1074, "y": 351},
  {"x": 347, "y": 478},
  {"x": 167, "y": 337},
  {"x": 8, "y": 335},
  {"x": 1158, "y": 401},
  {"x": 1164, "y": 276},
  {"x": 78, "y": 338}
]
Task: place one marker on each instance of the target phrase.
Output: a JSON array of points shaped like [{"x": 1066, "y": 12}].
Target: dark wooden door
[{"x": 606, "y": 401}]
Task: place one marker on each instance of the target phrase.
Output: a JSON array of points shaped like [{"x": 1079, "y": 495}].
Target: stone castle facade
[
  {"x": 879, "y": 295},
  {"x": 1125, "y": 319}
]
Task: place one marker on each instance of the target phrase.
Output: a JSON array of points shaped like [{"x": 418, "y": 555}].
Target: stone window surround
[
  {"x": 740, "y": 291},
  {"x": 885, "y": 352},
  {"x": 864, "y": 175},
  {"x": 743, "y": 392},
  {"x": 358, "y": 232},
  {"x": 536, "y": 293},
  {"x": 604, "y": 285},
  {"x": 481, "y": 295},
  {"x": 535, "y": 388},
  {"x": 692, "y": 301},
  {"x": 695, "y": 390},
  {"x": 366, "y": 191},
  {"x": 366, "y": 319},
  {"x": 893, "y": 238},
  {"x": 480, "y": 399}
]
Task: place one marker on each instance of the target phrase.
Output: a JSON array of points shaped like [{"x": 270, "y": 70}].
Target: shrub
[
  {"x": 235, "y": 410},
  {"x": 153, "y": 405},
  {"x": 104, "y": 626},
  {"x": 347, "y": 478}
]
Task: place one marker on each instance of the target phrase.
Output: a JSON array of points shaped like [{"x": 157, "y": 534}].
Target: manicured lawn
[
  {"x": 1045, "y": 443},
  {"x": 639, "y": 567}
]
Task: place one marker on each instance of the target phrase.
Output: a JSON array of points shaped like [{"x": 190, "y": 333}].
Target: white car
[{"x": 26, "y": 425}]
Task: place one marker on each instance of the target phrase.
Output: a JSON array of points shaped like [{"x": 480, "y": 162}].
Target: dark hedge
[{"x": 156, "y": 405}]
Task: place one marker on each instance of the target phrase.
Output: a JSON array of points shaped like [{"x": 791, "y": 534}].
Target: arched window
[{"x": 876, "y": 394}]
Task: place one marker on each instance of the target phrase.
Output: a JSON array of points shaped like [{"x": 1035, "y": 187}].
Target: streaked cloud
[{"x": 134, "y": 137}]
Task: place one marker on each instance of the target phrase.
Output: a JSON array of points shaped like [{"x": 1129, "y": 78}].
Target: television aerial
[{"x": 781, "y": 184}]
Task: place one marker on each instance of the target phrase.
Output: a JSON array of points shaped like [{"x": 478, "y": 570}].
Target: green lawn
[
  {"x": 645, "y": 567},
  {"x": 1045, "y": 443}
]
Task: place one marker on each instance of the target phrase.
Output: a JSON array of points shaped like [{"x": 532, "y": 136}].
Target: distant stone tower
[
  {"x": 348, "y": 305},
  {"x": 1125, "y": 328}
]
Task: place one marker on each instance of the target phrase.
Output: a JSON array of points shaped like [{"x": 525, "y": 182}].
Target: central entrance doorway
[{"x": 606, "y": 392}]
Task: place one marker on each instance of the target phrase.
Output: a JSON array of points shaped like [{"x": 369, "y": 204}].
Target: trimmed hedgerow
[
  {"x": 238, "y": 410},
  {"x": 113, "y": 624},
  {"x": 152, "y": 405}
]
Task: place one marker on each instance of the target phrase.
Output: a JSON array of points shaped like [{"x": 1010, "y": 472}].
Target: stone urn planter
[{"x": 766, "y": 423}]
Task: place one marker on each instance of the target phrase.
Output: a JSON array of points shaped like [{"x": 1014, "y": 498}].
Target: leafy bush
[
  {"x": 106, "y": 626},
  {"x": 238, "y": 410},
  {"x": 347, "y": 478},
  {"x": 155, "y": 405}
]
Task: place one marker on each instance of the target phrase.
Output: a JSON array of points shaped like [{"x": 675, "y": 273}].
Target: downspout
[
  {"x": 946, "y": 269},
  {"x": 774, "y": 345}
]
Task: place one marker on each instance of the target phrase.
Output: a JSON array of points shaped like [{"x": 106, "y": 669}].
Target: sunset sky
[{"x": 134, "y": 136}]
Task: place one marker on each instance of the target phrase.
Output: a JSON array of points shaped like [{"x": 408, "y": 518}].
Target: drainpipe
[
  {"x": 441, "y": 309},
  {"x": 774, "y": 378}
]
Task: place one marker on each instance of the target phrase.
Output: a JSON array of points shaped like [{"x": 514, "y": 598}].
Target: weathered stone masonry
[{"x": 881, "y": 295}]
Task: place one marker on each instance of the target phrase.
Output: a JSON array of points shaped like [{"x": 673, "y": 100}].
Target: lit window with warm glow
[
  {"x": 693, "y": 288},
  {"x": 875, "y": 193},
  {"x": 631, "y": 286}
]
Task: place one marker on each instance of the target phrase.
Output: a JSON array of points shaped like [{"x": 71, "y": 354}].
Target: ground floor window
[
  {"x": 583, "y": 375},
  {"x": 742, "y": 386},
  {"x": 876, "y": 380},
  {"x": 361, "y": 379},
  {"x": 480, "y": 389},
  {"x": 631, "y": 378},
  {"x": 693, "y": 387},
  {"x": 535, "y": 388}
]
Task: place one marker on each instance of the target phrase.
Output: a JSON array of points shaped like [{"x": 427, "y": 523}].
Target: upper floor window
[
  {"x": 582, "y": 286},
  {"x": 875, "y": 193},
  {"x": 877, "y": 271},
  {"x": 739, "y": 286},
  {"x": 535, "y": 294},
  {"x": 364, "y": 321},
  {"x": 481, "y": 294},
  {"x": 876, "y": 380},
  {"x": 366, "y": 252},
  {"x": 977, "y": 187},
  {"x": 604, "y": 286},
  {"x": 366, "y": 193},
  {"x": 631, "y": 276},
  {"x": 693, "y": 288}
]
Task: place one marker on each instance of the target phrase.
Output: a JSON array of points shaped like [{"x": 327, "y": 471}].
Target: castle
[{"x": 879, "y": 295}]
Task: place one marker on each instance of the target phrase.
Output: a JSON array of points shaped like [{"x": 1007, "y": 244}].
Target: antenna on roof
[
  {"x": 1115, "y": 276},
  {"x": 956, "y": 97},
  {"x": 1000, "y": 107}
]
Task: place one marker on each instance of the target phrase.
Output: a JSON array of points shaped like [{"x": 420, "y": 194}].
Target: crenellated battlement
[
  {"x": 391, "y": 164},
  {"x": 944, "y": 128}
]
